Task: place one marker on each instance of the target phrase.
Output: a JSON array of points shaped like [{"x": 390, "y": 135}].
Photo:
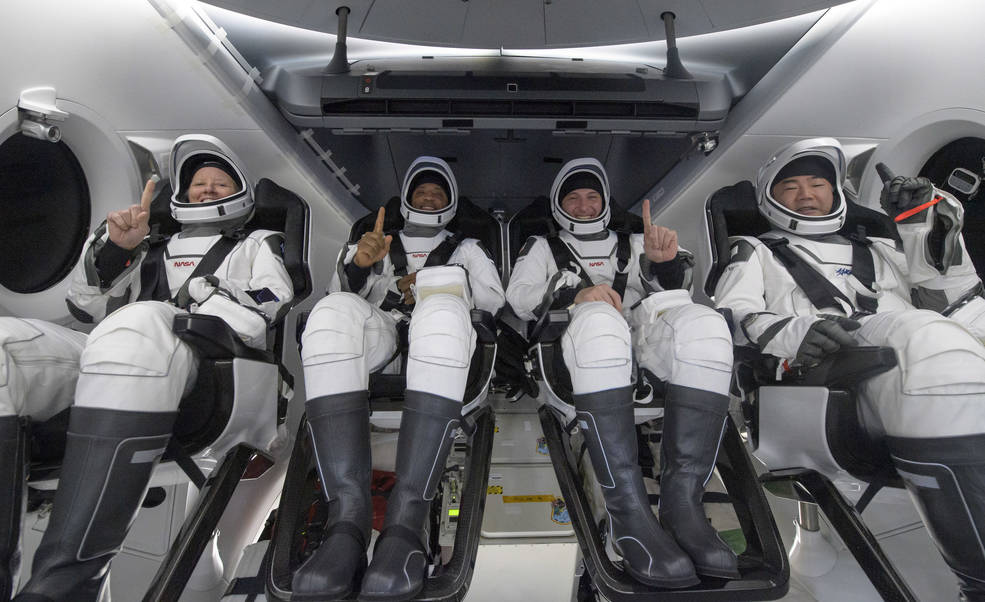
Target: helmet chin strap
[
  {"x": 600, "y": 235},
  {"x": 419, "y": 231}
]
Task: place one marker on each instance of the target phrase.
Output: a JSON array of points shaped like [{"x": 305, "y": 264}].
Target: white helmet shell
[
  {"x": 437, "y": 218},
  {"x": 187, "y": 155},
  {"x": 567, "y": 222},
  {"x": 827, "y": 149}
]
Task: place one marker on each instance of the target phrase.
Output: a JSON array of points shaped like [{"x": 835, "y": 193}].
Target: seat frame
[
  {"x": 228, "y": 435},
  {"x": 812, "y": 429},
  {"x": 386, "y": 399}
]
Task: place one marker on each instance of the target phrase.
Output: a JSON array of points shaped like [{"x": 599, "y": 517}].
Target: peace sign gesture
[
  {"x": 129, "y": 226},
  {"x": 659, "y": 243},
  {"x": 373, "y": 246}
]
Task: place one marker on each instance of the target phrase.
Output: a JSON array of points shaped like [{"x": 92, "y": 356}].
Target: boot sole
[
  {"x": 709, "y": 572},
  {"x": 664, "y": 583},
  {"x": 400, "y": 598}
]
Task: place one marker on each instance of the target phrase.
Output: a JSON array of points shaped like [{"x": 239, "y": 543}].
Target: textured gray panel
[
  {"x": 584, "y": 23},
  {"x": 507, "y": 23},
  {"x": 726, "y": 14},
  {"x": 437, "y": 21},
  {"x": 495, "y": 169},
  {"x": 527, "y": 24}
]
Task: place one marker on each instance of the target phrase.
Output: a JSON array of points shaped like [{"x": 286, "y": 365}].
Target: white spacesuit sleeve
[
  {"x": 89, "y": 299},
  {"x": 531, "y": 277},
  {"x": 487, "y": 289},
  {"x": 742, "y": 290},
  {"x": 939, "y": 268}
]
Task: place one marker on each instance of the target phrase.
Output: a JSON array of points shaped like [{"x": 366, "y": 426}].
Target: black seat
[
  {"x": 781, "y": 425},
  {"x": 301, "y": 498}
]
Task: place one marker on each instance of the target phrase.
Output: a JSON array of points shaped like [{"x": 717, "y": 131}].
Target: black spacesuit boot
[
  {"x": 946, "y": 479},
  {"x": 12, "y": 459},
  {"x": 109, "y": 457},
  {"x": 339, "y": 427},
  {"x": 693, "y": 426},
  {"x": 649, "y": 554},
  {"x": 400, "y": 558}
]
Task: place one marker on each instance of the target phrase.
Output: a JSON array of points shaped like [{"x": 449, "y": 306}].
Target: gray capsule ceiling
[{"x": 528, "y": 24}]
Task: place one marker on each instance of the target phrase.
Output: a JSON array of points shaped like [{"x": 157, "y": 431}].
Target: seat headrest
[
  {"x": 470, "y": 221},
  {"x": 535, "y": 220},
  {"x": 732, "y": 211}
]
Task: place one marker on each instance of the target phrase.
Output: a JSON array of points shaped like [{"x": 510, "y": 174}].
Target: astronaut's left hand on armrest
[{"x": 217, "y": 298}]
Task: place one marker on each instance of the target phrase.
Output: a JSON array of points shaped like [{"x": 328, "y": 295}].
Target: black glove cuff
[{"x": 111, "y": 260}]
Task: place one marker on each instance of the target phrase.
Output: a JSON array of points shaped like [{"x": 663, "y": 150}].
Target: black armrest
[
  {"x": 841, "y": 370},
  {"x": 846, "y": 368},
  {"x": 550, "y": 326},
  {"x": 485, "y": 326},
  {"x": 302, "y": 322},
  {"x": 212, "y": 338}
]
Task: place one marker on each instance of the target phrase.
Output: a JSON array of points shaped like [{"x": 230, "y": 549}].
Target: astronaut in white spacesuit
[
  {"x": 628, "y": 295},
  {"x": 425, "y": 274},
  {"x": 132, "y": 371},
  {"x": 923, "y": 300}
]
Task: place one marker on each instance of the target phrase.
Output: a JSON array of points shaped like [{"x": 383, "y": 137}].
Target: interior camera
[{"x": 41, "y": 130}]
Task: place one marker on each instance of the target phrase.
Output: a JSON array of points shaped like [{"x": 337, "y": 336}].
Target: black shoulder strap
[
  {"x": 818, "y": 289},
  {"x": 623, "y": 251},
  {"x": 153, "y": 282},
  {"x": 398, "y": 257},
  {"x": 564, "y": 258},
  {"x": 863, "y": 268},
  {"x": 209, "y": 263},
  {"x": 441, "y": 254}
]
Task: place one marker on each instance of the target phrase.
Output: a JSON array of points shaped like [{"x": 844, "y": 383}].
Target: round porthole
[
  {"x": 958, "y": 167},
  {"x": 44, "y": 213}
]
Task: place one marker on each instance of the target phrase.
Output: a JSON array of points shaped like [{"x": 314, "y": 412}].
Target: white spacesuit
[
  {"x": 132, "y": 370},
  {"x": 931, "y": 407},
  {"x": 684, "y": 344},
  {"x": 352, "y": 332}
]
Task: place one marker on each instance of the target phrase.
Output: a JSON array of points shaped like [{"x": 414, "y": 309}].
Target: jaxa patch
[
  {"x": 559, "y": 512},
  {"x": 542, "y": 446},
  {"x": 843, "y": 271}
]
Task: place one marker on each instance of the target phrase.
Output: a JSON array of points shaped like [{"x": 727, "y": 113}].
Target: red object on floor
[{"x": 380, "y": 485}]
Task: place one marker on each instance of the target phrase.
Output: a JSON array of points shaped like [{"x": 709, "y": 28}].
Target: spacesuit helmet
[
  {"x": 822, "y": 157},
  {"x": 434, "y": 171},
  {"x": 193, "y": 152},
  {"x": 584, "y": 172}
]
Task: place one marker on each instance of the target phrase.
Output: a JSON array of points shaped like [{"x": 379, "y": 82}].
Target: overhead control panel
[{"x": 444, "y": 94}]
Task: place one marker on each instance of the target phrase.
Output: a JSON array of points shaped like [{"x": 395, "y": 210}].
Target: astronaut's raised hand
[
  {"x": 373, "y": 246},
  {"x": 659, "y": 243},
  {"x": 826, "y": 336},
  {"x": 902, "y": 194},
  {"x": 128, "y": 227},
  {"x": 599, "y": 292}
]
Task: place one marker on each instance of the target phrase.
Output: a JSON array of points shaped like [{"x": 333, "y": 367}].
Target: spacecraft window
[{"x": 44, "y": 213}]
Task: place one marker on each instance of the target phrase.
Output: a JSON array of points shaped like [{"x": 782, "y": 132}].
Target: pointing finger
[
  {"x": 148, "y": 196},
  {"x": 380, "y": 215},
  {"x": 646, "y": 216},
  {"x": 885, "y": 174}
]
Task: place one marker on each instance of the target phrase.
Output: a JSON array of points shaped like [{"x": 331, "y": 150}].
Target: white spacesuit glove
[
  {"x": 212, "y": 299},
  {"x": 566, "y": 279}
]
